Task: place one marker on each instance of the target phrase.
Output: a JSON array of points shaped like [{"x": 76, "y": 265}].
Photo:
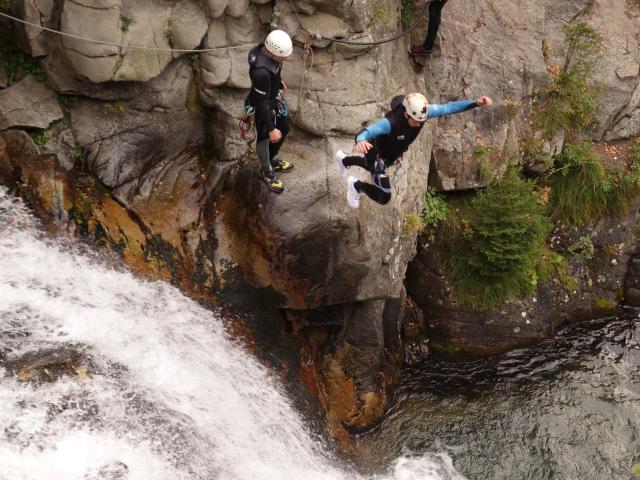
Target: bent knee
[{"x": 386, "y": 198}]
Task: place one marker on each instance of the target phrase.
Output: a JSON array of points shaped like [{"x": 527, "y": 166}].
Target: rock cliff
[{"x": 144, "y": 154}]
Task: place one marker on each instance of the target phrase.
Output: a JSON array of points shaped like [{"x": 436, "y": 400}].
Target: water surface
[{"x": 567, "y": 409}]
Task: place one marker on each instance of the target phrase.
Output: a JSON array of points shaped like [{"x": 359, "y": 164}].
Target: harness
[
  {"x": 248, "y": 124},
  {"x": 379, "y": 172}
]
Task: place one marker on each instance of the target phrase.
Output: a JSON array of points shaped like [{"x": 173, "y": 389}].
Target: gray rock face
[
  {"x": 28, "y": 103},
  {"x": 103, "y": 33},
  {"x": 473, "y": 61},
  {"x": 124, "y": 139}
]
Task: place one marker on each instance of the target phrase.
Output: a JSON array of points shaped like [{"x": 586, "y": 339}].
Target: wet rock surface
[{"x": 49, "y": 365}]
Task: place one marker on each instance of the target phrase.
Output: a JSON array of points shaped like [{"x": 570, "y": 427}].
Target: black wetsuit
[
  {"x": 386, "y": 150},
  {"x": 265, "y": 85},
  {"x": 435, "y": 12}
]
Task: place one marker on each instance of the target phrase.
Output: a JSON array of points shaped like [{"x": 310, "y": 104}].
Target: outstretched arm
[
  {"x": 440, "y": 110},
  {"x": 381, "y": 127}
]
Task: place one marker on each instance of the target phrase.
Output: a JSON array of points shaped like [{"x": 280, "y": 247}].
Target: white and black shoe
[
  {"x": 353, "y": 196},
  {"x": 340, "y": 155}
]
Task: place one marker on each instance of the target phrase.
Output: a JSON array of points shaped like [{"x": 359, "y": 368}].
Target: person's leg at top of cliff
[
  {"x": 435, "y": 12},
  {"x": 266, "y": 97},
  {"x": 384, "y": 142}
]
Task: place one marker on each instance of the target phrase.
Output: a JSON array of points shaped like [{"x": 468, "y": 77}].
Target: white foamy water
[{"x": 170, "y": 396}]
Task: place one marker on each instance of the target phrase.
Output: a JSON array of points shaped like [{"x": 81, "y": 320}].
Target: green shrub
[
  {"x": 568, "y": 105},
  {"x": 434, "y": 210},
  {"x": 582, "y": 247},
  {"x": 480, "y": 150},
  {"x": 553, "y": 264},
  {"x": 125, "y": 23},
  {"x": 503, "y": 237},
  {"x": 602, "y": 303},
  {"x": 512, "y": 108},
  {"x": 584, "y": 46},
  {"x": 579, "y": 186},
  {"x": 378, "y": 13},
  {"x": 583, "y": 191},
  {"x": 18, "y": 64},
  {"x": 634, "y": 162},
  {"x": 170, "y": 38},
  {"x": 570, "y": 102},
  {"x": 407, "y": 12},
  {"x": 485, "y": 171},
  {"x": 412, "y": 223},
  {"x": 39, "y": 136},
  {"x": 5, "y": 6}
]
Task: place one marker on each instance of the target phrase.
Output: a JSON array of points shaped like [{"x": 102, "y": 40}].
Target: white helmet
[
  {"x": 416, "y": 106},
  {"x": 279, "y": 43}
]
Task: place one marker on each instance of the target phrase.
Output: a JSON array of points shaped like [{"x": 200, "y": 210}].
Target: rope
[
  {"x": 204, "y": 50},
  {"x": 319, "y": 36},
  {"x": 121, "y": 45},
  {"x": 307, "y": 51}
]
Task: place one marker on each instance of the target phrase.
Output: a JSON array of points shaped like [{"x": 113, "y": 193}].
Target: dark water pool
[{"x": 566, "y": 409}]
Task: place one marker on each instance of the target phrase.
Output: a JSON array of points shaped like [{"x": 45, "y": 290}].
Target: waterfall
[{"x": 168, "y": 394}]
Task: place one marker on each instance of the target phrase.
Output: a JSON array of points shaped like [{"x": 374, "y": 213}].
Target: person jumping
[
  {"x": 267, "y": 87},
  {"x": 390, "y": 138}
]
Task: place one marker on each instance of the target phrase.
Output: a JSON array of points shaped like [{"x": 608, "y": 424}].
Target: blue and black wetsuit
[
  {"x": 265, "y": 85},
  {"x": 391, "y": 136}
]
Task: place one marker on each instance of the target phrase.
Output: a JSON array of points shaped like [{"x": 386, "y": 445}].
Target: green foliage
[
  {"x": 117, "y": 107},
  {"x": 170, "y": 38},
  {"x": 434, "y": 210},
  {"x": 18, "y": 64},
  {"x": 568, "y": 105},
  {"x": 441, "y": 347},
  {"x": 502, "y": 242},
  {"x": 480, "y": 150},
  {"x": 570, "y": 102},
  {"x": 553, "y": 264},
  {"x": 485, "y": 171},
  {"x": 412, "y": 223},
  {"x": 5, "y": 6},
  {"x": 78, "y": 152},
  {"x": 532, "y": 151},
  {"x": 512, "y": 108},
  {"x": 583, "y": 247},
  {"x": 407, "y": 12},
  {"x": 378, "y": 13},
  {"x": 39, "y": 136},
  {"x": 603, "y": 304},
  {"x": 583, "y": 190},
  {"x": 611, "y": 249},
  {"x": 195, "y": 62},
  {"x": 634, "y": 162},
  {"x": 584, "y": 45},
  {"x": 66, "y": 101},
  {"x": 125, "y": 23}
]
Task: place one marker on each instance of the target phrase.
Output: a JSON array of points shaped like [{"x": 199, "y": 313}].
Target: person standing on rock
[
  {"x": 272, "y": 123},
  {"x": 435, "y": 12},
  {"x": 384, "y": 142}
]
